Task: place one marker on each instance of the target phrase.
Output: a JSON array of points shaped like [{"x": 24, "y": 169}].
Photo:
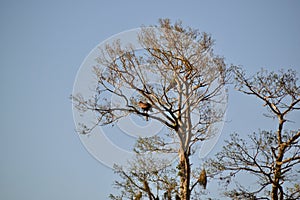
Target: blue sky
[{"x": 42, "y": 45}]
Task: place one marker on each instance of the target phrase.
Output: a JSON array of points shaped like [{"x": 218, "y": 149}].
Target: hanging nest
[
  {"x": 202, "y": 180},
  {"x": 138, "y": 196}
]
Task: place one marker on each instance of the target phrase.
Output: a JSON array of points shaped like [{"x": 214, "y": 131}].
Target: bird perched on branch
[
  {"x": 145, "y": 107},
  {"x": 202, "y": 180}
]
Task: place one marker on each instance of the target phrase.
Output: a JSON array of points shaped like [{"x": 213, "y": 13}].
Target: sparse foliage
[
  {"x": 146, "y": 177},
  {"x": 189, "y": 81},
  {"x": 272, "y": 157}
]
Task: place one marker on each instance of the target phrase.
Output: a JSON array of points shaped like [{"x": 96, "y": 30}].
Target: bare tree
[
  {"x": 189, "y": 78},
  {"x": 146, "y": 177},
  {"x": 272, "y": 157}
]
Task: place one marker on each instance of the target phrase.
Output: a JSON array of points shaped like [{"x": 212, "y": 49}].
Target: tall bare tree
[
  {"x": 273, "y": 157},
  {"x": 189, "y": 78}
]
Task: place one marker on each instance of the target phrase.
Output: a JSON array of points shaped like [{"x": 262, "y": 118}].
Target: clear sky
[{"x": 42, "y": 45}]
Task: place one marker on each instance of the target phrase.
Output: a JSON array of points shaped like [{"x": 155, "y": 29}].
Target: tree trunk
[
  {"x": 276, "y": 188},
  {"x": 274, "y": 192},
  {"x": 184, "y": 173}
]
